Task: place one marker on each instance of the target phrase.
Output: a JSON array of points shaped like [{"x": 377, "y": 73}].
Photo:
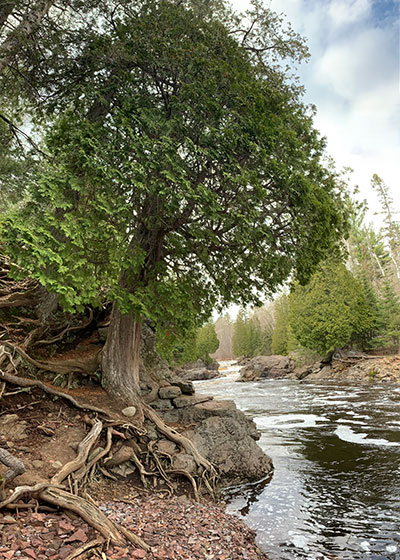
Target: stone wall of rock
[
  {"x": 223, "y": 434},
  {"x": 262, "y": 367}
]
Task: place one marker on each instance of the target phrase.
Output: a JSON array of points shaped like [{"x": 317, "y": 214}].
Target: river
[{"x": 335, "y": 491}]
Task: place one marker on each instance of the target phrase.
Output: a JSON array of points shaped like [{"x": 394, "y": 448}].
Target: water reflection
[{"x": 335, "y": 492}]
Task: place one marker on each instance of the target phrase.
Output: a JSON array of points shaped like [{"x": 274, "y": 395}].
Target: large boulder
[
  {"x": 198, "y": 374},
  {"x": 359, "y": 369},
  {"x": 200, "y": 411},
  {"x": 267, "y": 367},
  {"x": 225, "y": 436},
  {"x": 199, "y": 370},
  {"x": 227, "y": 443}
]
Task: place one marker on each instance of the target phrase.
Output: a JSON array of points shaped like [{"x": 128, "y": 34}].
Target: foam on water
[
  {"x": 286, "y": 421},
  {"x": 345, "y": 433}
]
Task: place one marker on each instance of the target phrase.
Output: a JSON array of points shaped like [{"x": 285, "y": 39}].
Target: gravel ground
[{"x": 174, "y": 528}]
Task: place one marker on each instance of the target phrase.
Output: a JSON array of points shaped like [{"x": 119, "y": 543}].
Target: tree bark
[
  {"x": 29, "y": 24},
  {"x": 5, "y": 11},
  {"x": 120, "y": 358}
]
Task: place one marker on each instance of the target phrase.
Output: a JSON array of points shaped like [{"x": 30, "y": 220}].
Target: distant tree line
[{"x": 349, "y": 302}]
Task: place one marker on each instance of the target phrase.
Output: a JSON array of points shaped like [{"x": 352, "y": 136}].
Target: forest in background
[{"x": 352, "y": 304}]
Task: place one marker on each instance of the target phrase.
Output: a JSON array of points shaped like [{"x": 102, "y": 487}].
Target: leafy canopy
[{"x": 184, "y": 170}]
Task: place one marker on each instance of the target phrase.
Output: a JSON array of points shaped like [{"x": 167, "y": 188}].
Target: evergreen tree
[
  {"x": 169, "y": 187},
  {"x": 392, "y": 226},
  {"x": 331, "y": 311},
  {"x": 280, "y": 334},
  {"x": 240, "y": 335},
  {"x": 206, "y": 342},
  {"x": 390, "y": 314}
]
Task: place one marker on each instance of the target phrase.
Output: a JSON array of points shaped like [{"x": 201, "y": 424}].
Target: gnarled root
[
  {"x": 178, "y": 438},
  {"x": 85, "y": 509},
  {"x": 64, "y": 367},
  {"x": 16, "y": 467}
]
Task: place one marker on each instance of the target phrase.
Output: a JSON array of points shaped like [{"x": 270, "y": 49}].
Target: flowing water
[{"x": 335, "y": 491}]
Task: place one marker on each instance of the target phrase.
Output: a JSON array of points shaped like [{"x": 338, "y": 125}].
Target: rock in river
[{"x": 267, "y": 367}]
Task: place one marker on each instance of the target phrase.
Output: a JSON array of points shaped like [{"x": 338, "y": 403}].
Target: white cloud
[
  {"x": 358, "y": 64},
  {"x": 353, "y": 79},
  {"x": 345, "y": 12}
]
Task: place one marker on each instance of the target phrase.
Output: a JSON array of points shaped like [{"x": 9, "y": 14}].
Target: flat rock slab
[
  {"x": 162, "y": 404},
  {"x": 191, "y": 400},
  {"x": 216, "y": 406},
  {"x": 170, "y": 392}
]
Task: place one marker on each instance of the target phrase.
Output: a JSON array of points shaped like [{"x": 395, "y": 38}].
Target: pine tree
[
  {"x": 240, "y": 335},
  {"x": 391, "y": 314},
  {"x": 280, "y": 334},
  {"x": 392, "y": 226},
  {"x": 206, "y": 342},
  {"x": 331, "y": 311}
]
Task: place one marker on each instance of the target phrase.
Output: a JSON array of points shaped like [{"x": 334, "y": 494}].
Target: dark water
[{"x": 335, "y": 492}]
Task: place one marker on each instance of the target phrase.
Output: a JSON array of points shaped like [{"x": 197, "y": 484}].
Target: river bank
[
  {"x": 175, "y": 529},
  {"x": 43, "y": 434},
  {"x": 336, "y": 451}
]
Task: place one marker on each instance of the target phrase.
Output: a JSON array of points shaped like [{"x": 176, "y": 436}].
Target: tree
[
  {"x": 390, "y": 307},
  {"x": 206, "y": 342},
  {"x": 392, "y": 227},
  {"x": 280, "y": 333},
  {"x": 330, "y": 311},
  {"x": 240, "y": 335},
  {"x": 224, "y": 330},
  {"x": 179, "y": 177},
  {"x": 368, "y": 256}
]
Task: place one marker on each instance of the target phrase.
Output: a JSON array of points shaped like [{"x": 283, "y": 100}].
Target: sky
[{"x": 353, "y": 79}]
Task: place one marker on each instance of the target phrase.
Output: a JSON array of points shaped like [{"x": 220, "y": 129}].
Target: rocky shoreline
[
  {"x": 351, "y": 368},
  {"x": 175, "y": 529}
]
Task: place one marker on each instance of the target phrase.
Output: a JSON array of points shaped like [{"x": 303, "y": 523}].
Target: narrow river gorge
[{"x": 335, "y": 491}]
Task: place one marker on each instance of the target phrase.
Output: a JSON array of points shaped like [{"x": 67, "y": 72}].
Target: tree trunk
[
  {"x": 18, "y": 37},
  {"x": 5, "y": 11},
  {"x": 120, "y": 358}
]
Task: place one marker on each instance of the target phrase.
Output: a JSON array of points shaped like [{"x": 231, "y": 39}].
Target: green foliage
[
  {"x": 390, "y": 309},
  {"x": 193, "y": 345},
  {"x": 280, "y": 334},
  {"x": 16, "y": 166},
  {"x": 184, "y": 170},
  {"x": 206, "y": 342},
  {"x": 372, "y": 374},
  {"x": 250, "y": 338},
  {"x": 240, "y": 335},
  {"x": 330, "y": 311}
]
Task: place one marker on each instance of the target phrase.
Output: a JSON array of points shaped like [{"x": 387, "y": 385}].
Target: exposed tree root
[
  {"x": 22, "y": 491},
  {"x": 89, "y": 513},
  {"x": 27, "y": 298},
  {"x": 66, "y": 330},
  {"x": 83, "y": 452},
  {"x": 24, "y": 382},
  {"x": 85, "y": 547},
  {"x": 178, "y": 438},
  {"x": 16, "y": 466},
  {"x": 64, "y": 367},
  {"x": 152, "y": 465}
]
